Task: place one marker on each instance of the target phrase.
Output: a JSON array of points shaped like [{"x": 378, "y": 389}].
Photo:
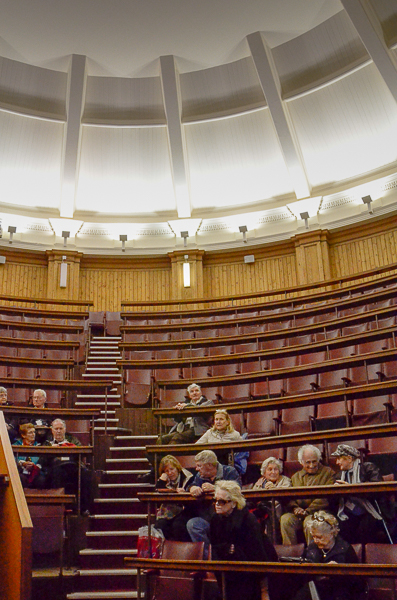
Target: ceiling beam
[
  {"x": 285, "y": 132},
  {"x": 370, "y": 31},
  {"x": 173, "y": 111},
  {"x": 72, "y": 139}
]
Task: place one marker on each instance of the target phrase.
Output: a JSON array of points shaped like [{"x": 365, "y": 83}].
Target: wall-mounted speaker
[{"x": 249, "y": 258}]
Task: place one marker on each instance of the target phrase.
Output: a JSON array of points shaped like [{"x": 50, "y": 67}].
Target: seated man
[
  {"x": 190, "y": 429},
  {"x": 209, "y": 470},
  {"x": 63, "y": 470},
  {"x": 360, "y": 519},
  {"x": 12, "y": 423},
  {"x": 185, "y": 431},
  {"x": 299, "y": 511},
  {"x": 42, "y": 423}
]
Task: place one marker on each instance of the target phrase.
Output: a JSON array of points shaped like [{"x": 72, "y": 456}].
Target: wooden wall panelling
[
  {"x": 364, "y": 247},
  {"x": 23, "y": 279}
]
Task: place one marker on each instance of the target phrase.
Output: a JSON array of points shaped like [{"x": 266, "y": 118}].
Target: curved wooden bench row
[
  {"x": 38, "y": 313},
  {"x": 39, "y": 327},
  {"x": 313, "y": 399},
  {"x": 35, "y": 301},
  {"x": 371, "y": 317},
  {"x": 331, "y": 309},
  {"x": 290, "y": 292},
  {"x": 371, "y": 358},
  {"x": 7, "y": 342},
  {"x": 285, "y": 441},
  {"x": 387, "y": 333}
]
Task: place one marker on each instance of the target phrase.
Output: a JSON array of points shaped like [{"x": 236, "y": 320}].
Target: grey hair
[
  {"x": 310, "y": 448},
  {"x": 59, "y": 421},
  {"x": 3, "y": 390},
  {"x": 42, "y": 393},
  {"x": 233, "y": 489},
  {"x": 207, "y": 457},
  {"x": 271, "y": 461},
  {"x": 193, "y": 385}
]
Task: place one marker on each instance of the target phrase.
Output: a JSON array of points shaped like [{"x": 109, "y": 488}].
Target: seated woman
[
  {"x": 328, "y": 547},
  {"x": 271, "y": 477},
  {"x": 221, "y": 432},
  {"x": 171, "y": 518},
  {"x": 235, "y": 535},
  {"x": 30, "y": 468}
]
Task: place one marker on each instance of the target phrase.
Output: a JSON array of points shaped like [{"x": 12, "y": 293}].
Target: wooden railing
[{"x": 15, "y": 526}]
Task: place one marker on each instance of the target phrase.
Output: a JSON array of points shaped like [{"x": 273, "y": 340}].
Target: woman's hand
[
  {"x": 231, "y": 549},
  {"x": 341, "y": 482},
  {"x": 180, "y": 405},
  {"x": 164, "y": 477},
  {"x": 269, "y": 485}
]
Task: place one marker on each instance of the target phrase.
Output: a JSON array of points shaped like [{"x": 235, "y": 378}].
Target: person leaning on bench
[
  {"x": 360, "y": 519},
  {"x": 186, "y": 430}
]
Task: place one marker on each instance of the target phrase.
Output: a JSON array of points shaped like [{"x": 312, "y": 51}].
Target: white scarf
[{"x": 366, "y": 504}]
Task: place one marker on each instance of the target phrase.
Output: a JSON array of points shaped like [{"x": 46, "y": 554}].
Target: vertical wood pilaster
[
  {"x": 312, "y": 257},
  {"x": 72, "y": 290},
  {"x": 196, "y": 289}
]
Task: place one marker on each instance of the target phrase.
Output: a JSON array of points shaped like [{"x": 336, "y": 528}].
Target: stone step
[
  {"x": 108, "y": 428},
  {"x": 96, "y": 404},
  {"x": 110, "y": 572},
  {"x": 107, "y": 595},
  {"x": 113, "y": 396}
]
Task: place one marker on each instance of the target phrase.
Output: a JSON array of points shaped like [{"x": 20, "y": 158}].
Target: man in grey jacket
[{"x": 186, "y": 430}]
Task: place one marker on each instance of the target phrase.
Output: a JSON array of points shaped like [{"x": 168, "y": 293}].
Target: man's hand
[
  {"x": 195, "y": 490},
  {"x": 207, "y": 487},
  {"x": 300, "y": 512},
  {"x": 180, "y": 405}
]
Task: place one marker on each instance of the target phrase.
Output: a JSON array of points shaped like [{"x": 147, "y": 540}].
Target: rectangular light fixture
[
  {"x": 63, "y": 275},
  {"x": 186, "y": 274}
]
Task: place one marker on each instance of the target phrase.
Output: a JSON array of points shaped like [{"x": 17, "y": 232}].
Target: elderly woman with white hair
[
  {"x": 328, "y": 547},
  {"x": 235, "y": 535},
  {"x": 271, "y": 477}
]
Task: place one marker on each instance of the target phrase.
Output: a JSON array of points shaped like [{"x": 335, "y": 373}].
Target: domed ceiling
[{"x": 232, "y": 121}]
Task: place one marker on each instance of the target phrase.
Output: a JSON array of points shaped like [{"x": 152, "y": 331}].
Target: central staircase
[{"x": 113, "y": 529}]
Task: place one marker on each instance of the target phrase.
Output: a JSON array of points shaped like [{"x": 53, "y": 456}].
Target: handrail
[
  {"x": 16, "y": 528},
  {"x": 271, "y": 293}
]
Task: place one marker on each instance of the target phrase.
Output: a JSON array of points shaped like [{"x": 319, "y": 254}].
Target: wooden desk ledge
[
  {"x": 49, "y": 496},
  {"x": 54, "y": 450},
  {"x": 284, "y": 441},
  {"x": 380, "y": 487},
  {"x": 63, "y": 413},
  {"x": 360, "y": 569},
  {"x": 56, "y": 384}
]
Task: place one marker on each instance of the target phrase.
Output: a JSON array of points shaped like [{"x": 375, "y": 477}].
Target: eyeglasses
[
  {"x": 220, "y": 501},
  {"x": 320, "y": 519}
]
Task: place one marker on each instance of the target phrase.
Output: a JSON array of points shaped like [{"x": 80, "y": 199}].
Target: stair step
[
  {"x": 136, "y": 437},
  {"x": 122, "y": 485},
  {"x": 121, "y": 516},
  {"x": 110, "y": 572},
  {"x": 104, "y": 534},
  {"x": 114, "y": 500},
  {"x": 125, "y": 448},
  {"x": 109, "y": 595},
  {"x": 96, "y": 404},
  {"x": 103, "y": 420},
  {"x": 110, "y": 396},
  {"x": 124, "y": 460},
  {"x": 110, "y": 551},
  {"x": 108, "y": 428}
]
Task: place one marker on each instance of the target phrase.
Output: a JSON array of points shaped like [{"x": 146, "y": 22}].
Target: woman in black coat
[
  {"x": 328, "y": 547},
  {"x": 235, "y": 535}
]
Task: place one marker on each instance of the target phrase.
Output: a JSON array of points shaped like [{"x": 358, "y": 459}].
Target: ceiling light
[
  {"x": 305, "y": 217},
  {"x": 65, "y": 235},
  {"x": 11, "y": 231},
  {"x": 243, "y": 229},
  {"x": 123, "y": 239},
  {"x": 368, "y": 201}
]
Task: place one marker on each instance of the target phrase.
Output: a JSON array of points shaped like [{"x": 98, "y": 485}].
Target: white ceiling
[{"x": 128, "y": 116}]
